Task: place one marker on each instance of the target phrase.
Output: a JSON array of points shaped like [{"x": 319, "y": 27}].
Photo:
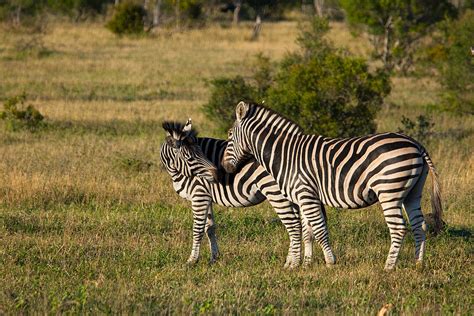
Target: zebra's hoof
[
  {"x": 389, "y": 268},
  {"x": 307, "y": 262},
  {"x": 213, "y": 259},
  {"x": 192, "y": 262},
  {"x": 419, "y": 266},
  {"x": 292, "y": 266},
  {"x": 330, "y": 261}
]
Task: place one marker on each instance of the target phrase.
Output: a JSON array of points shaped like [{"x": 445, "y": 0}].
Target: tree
[
  {"x": 319, "y": 7},
  {"x": 456, "y": 66},
  {"x": 397, "y": 25},
  {"x": 15, "y": 10}
]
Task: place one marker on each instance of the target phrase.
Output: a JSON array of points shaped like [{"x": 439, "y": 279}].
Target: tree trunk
[
  {"x": 386, "y": 55},
  {"x": 257, "y": 28},
  {"x": 156, "y": 13},
  {"x": 17, "y": 20},
  {"x": 319, "y": 7},
  {"x": 117, "y": 2},
  {"x": 146, "y": 6},
  {"x": 176, "y": 11},
  {"x": 238, "y": 5}
]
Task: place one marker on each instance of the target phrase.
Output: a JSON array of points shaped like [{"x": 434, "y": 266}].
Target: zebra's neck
[
  {"x": 274, "y": 140},
  {"x": 213, "y": 149}
]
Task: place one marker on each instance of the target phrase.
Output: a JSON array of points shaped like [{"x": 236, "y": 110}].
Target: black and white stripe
[
  {"x": 347, "y": 173},
  {"x": 250, "y": 186}
]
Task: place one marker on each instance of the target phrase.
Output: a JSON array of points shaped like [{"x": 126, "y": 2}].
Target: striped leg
[
  {"x": 412, "y": 204},
  {"x": 289, "y": 216},
  {"x": 308, "y": 242},
  {"x": 211, "y": 236},
  {"x": 312, "y": 209},
  {"x": 392, "y": 210},
  {"x": 201, "y": 205}
]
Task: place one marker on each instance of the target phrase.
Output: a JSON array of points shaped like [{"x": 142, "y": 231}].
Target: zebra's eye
[{"x": 229, "y": 133}]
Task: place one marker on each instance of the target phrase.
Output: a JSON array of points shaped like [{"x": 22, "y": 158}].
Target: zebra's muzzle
[{"x": 229, "y": 167}]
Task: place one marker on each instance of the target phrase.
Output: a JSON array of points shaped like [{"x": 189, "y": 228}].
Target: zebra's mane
[
  {"x": 285, "y": 119},
  {"x": 176, "y": 130}
]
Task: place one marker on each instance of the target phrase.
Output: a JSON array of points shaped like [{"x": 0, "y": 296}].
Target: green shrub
[
  {"x": 225, "y": 94},
  {"x": 321, "y": 88},
  {"x": 421, "y": 129},
  {"x": 457, "y": 64},
  {"x": 326, "y": 91},
  {"x": 127, "y": 19},
  {"x": 17, "y": 115}
]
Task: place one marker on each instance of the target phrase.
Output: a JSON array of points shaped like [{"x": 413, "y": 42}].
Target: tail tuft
[{"x": 436, "y": 205}]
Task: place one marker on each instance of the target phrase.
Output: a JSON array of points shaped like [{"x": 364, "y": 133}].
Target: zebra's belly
[
  {"x": 345, "y": 202},
  {"x": 230, "y": 196}
]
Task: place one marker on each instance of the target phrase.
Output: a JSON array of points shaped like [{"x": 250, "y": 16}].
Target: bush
[
  {"x": 225, "y": 94},
  {"x": 325, "y": 91},
  {"x": 127, "y": 19},
  {"x": 457, "y": 64},
  {"x": 421, "y": 129},
  {"x": 321, "y": 88},
  {"x": 17, "y": 115}
]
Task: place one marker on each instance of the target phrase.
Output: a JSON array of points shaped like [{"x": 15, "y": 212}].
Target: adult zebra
[
  {"x": 191, "y": 161},
  {"x": 348, "y": 173}
]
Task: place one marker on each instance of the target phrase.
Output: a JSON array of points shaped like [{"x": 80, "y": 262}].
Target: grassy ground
[{"x": 89, "y": 221}]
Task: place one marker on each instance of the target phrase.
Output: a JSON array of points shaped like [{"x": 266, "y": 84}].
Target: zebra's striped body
[
  {"x": 250, "y": 186},
  {"x": 347, "y": 173}
]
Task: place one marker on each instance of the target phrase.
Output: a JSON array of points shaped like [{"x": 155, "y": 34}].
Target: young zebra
[
  {"x": 190, "y": 162},
  {"x": 347, "y": 173}
]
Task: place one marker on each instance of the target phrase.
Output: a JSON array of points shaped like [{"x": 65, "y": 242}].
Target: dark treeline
[{"x": 159, "y": 11}]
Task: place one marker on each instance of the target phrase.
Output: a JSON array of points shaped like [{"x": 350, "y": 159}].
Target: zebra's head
[
  {"x": 181, "y": 154},
  {"x": 237, "y": 150}
]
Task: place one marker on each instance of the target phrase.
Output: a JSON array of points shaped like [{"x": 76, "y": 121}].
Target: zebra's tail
[{"x": 436, "y": 206}]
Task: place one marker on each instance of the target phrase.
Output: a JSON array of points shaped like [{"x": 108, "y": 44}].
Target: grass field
[{"x": 89, "y": 221}]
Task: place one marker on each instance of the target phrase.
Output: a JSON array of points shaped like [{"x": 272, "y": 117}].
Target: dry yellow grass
[{"x": 80, "y": 230}]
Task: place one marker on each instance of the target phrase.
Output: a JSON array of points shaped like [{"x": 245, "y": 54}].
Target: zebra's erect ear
[
  {"x": 188, "y": 126},
  {"x": 241, "y": 110},
  {"x": 166, "y": 126}
]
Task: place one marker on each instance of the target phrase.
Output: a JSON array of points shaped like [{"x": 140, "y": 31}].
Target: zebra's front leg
[
  {"x": 211, "y": 235},
  {"x": 289, "y": 216},
  {"x": 201, "y": 206},
  {"x": 312, "y": 210}
]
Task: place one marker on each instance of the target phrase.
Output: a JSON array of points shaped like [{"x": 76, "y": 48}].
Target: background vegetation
[{"x": 89, "y": 221}]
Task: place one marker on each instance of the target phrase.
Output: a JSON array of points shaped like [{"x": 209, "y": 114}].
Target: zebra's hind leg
[
  {"x": 211, "y": 236},
  {"x": 392, "y": 210},
  {"x": 412, "y": 205},
  {"x": 308, "y": 241}
]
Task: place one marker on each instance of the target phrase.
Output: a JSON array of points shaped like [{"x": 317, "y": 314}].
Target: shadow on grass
[{"x": 459, "y": 232}]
